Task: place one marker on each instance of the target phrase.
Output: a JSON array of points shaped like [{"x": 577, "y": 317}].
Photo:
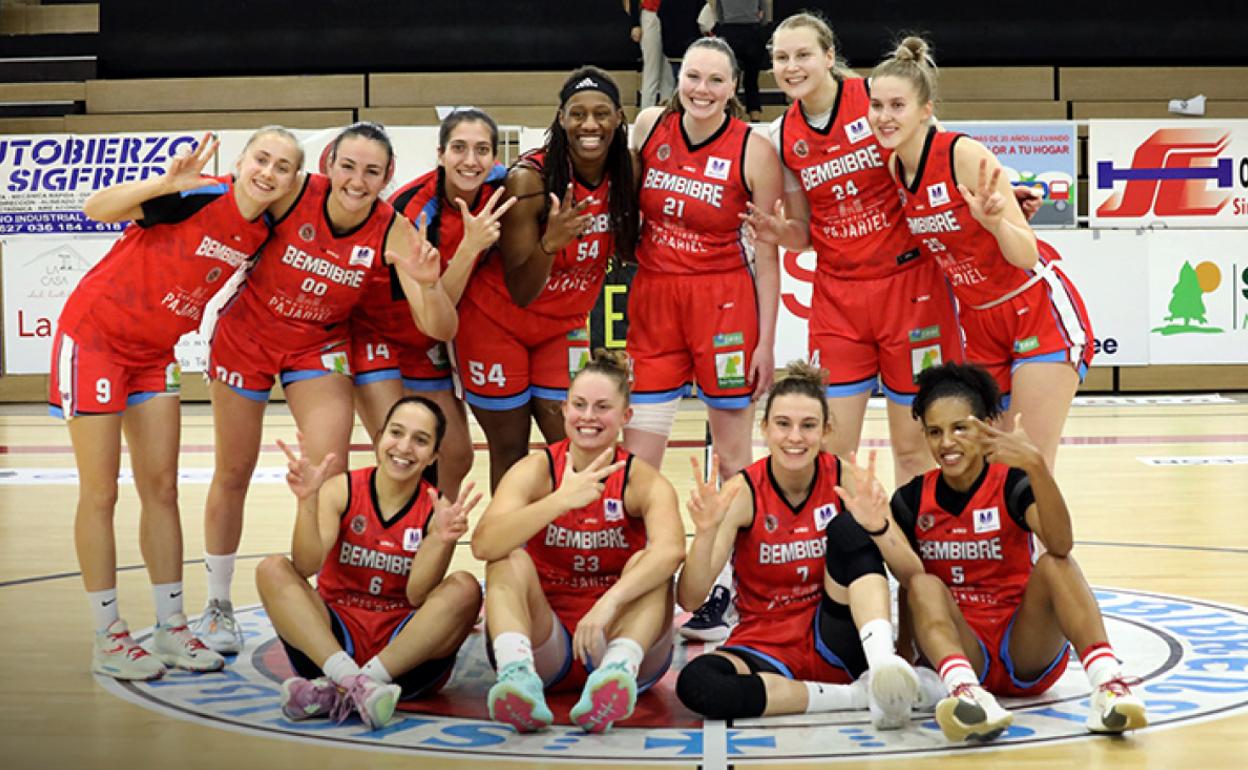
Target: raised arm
[
  {"x": 447, "y": 525},
  {"x": 528, "y": 250},
  {"x": 864, "y": 497},
  {"x": 1048, "y": 516},
  {"x": 320, "y": 506},
  {"x": 717, "y": 516},
  {"x": 481, "y": 231},
  {"x": 993, "y": 203},
  {"x": 419, "y": 271},
  {"x": 124, "y": 202}
]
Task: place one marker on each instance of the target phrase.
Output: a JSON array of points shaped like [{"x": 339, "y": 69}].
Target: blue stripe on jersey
[{"x": 218, "y": 188}]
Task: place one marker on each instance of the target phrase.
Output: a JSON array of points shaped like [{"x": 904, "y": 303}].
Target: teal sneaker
[
  {"x": 517, "y": 699},
  {"x": 609, "y": 696}
]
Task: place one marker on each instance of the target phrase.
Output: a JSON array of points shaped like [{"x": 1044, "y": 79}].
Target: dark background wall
[{"x": 150, "y": 38}]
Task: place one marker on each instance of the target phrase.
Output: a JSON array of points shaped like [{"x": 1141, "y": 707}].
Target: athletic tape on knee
[{"x": 655, "y": 418}]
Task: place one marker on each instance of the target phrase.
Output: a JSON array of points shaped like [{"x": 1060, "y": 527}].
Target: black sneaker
[{"x": 710, "y": 622}]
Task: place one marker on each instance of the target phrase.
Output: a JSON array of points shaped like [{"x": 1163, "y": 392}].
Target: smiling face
[
  {"x": 953, "y": 438},
  {"x": 897, "y": 115},
  {"x": 268, "y": 167},
  {"x": 406, "y": 445},
  {"x": 706, "y": 83},
  {"x": 800, "y": 64},
  {"x": 595, "y": 412},
  {"x": 467, "y": 158},
  {"x": 358, "y": 172},
  {"x": 794, "y": 429},
  {"x": 590, "y": 119}
]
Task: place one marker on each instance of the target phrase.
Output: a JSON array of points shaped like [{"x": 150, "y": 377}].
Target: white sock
[
  {"x": 626, "y": 651},
  {"x": 103, "y": 608},
  {"x": 877, "y": 641},
  {"x": 339, "y": 666},
  {"x": 512, "y": 647},
  {"x": 956, "y": 670},
  {"x": 168, "y": 598},
  {"x": 376, "y": 670},
  {"x": 220, "y": 575},
  {"x": 833, "y": 697},
  {"x": 1100, "y": 664}
]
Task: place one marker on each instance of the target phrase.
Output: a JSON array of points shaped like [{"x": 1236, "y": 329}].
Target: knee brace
[
  {"x": 655, "y": 418},
  {"x": 711, "y": 686}
]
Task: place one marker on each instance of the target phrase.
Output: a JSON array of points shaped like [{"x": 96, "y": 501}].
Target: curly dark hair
[{"x": 968, "y": 382}]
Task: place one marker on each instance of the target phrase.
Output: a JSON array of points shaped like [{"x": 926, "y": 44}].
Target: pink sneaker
[
  {"x": 374, "y": 702},
  {"x": 308, "y": 699}
]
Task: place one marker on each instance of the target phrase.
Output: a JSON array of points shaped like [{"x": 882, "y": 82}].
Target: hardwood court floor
[{"x": 1174, "y": 529}]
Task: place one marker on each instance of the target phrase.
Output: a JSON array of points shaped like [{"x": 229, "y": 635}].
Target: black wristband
[{"x": 881, "y": 530}]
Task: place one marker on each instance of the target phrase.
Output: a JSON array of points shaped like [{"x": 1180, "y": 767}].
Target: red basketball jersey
[
  {"x": 981, "y": 553},
  {"x": 778, "y": 559},
  {"x": 384, "y": 309},
  {"x": 577, "y": 271},
  {"x": 691, "y": 199},
  {"x": 581, "y": 553},
  {"x": 152, "y": 285},
  {"x": 309, "y": 277},
  {"x": 938, "y": 216},
  {"x": 371, "y": 559},
  {"x": 855, "y": 212}
]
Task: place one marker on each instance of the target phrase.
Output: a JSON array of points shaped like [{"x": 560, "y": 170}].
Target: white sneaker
[
  {"x": 972, "y": 714},
  {"x": 116, "y": 654},
  {"x": 931, "y": 689},
  {"x": 218, "y": 629},
  {"x": 893, "y": 689},
  {"x": 1115, "y": 709},
  {"x": 176, "y": 646}
]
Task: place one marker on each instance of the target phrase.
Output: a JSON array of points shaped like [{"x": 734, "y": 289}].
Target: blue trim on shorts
[
  {"x": 1004, "y": 653},
  {"x": 567, "y": 654},
  {"x": 904, "y": 399},
  {"x": 550, "y": 394},
  {"x": 824, "y": 651},
  {"x": 259, "y": 396},
  {"x": 427, "y": 385},
  {"x": 299, "y": 375},
  {"x": 724, "y": 402},
  {"x": 1056, "y": 357},
  {"x": 850, "y": 388},
  {"x": 348, "y": 644},
  {"x": 400, "y": 627},
  {"x": 376, "y": 375},
  {"x": 134, "y": 399},
  {"x": 780, "y": 667},
  {"x": 667, "y": 664},
  {"x": 56, "y": 411},
  {"x": 661, "y": 396},
  {"x": 497, "y": 403}
]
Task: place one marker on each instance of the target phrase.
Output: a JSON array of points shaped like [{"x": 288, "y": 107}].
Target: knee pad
[
  {"x": 655, "y": 418},
  {"x": 711, "y": 686}
]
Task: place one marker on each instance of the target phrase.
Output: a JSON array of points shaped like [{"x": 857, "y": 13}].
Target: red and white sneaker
[
  {"x": 1114, "y": 709},
  {"x": 116, "y": 654},
  {"x": 177, "y": 647}
]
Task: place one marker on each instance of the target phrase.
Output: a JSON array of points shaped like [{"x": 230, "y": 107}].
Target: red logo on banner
[
  {"x": 789, "y": 299},
  {"x": 1170, "y": 176}
]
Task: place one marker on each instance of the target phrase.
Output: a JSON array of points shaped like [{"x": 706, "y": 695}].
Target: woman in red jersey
[
  {"x": 460, "y": 202},
  {"x": 811, "y": 591},
  {"x": 703, "y": 305},
  {"x": 1022, "y": 317},
  {"x": 114, "y": 371},
  {"x": 331, "y": 239},
  {"x": 385, "y": 621},
  {"x": 528, "y": 304},
  {"x": 991, "y": 621},
  {"x": 581, "y": 540}
]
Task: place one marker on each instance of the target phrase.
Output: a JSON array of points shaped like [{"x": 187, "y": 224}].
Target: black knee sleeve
[{"x": 711, "y": 686}]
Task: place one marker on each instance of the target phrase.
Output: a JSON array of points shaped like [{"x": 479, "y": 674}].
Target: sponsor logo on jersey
[
  {"x": 770, "y": 523},
  {"x": 925, "y": 334},
  {"x": 411, "y": 538},
  {"x": 924, "y": 358},
  {"x": 353, "y": 555},
  {"x": 824, "y": 515},
  {"x": 663, "y": 181},
  {"x": 214, "y": 249},
  {"x": 307, "y": 232},
  {"x": 359, "y": 524},
  {"x": 799, "y": 550},
  {"x": 987, "y": 520},
  {"x": 717, "y": 168},
  {"x": 730, "y": 369},
  {"x": 961, "y": 550},
  {"x": 664, "y": 152},
  {"x": 361, "y": 255},
  {"x": 944, "y": 222},
  {"x": 857, "y": 130},
  {"x": 729, "y": 340},
  {"x": 1026, "y": 345},
  {"x": 613, "y": 509},
  {"x": 937, "y": 194},
  {"x": 800, "y": 148},
  {"x": 213, "y": 275},
  {"x": 336, "y": 363},
  {"x": 860, "y": 159},
  {"x": 562, "y": 537},
  {"x": 926, "y": 521}
]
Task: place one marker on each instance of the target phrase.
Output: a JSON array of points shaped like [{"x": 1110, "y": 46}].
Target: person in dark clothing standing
[{"x": 740, "y": 22}]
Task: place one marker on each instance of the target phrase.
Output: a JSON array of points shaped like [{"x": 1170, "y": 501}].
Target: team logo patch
[
  {"x": 362, "y": 256},
  {"x": 663, "y": 153},
  {"x": 1027, "y": 345},
  {"x": 359, "y": 524},
  {"x": 577, "y": 359},
  {"x": 1191, "y": 655},
  {"x": 987, "y": 520},
  {"x": 173, "y": 377},
  {"x": 937, "y": 194},
  {"x": 613, "y": 509},
  {"x": 824, "y": 515},
  {"x": 307, "y": 232},
  {"x": 411, "y": 538},
  {"x": 800, "y": 148},
  {"x": 579, "y": 334},
  {"x": 857, "y": 130},
  {"x": 926, "y": 521},
  {"x": 213, "y": 275},
  {"x": 718, "y": 168},
  {"x": 336, "y": 363},
  {"x": 923, "y": 358},
  {"x": 925, "y": 334},
  {"x": 728, "y": 340},
  {"x": 771, "y": 523},
  {"x": 438, "y": 356},
  {"x": 730, "y": 369}
]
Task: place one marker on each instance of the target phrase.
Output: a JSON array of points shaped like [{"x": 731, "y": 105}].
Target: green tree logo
[
  {"x": 730, "y": 367},
  {"x": 1187, "y": 303}
]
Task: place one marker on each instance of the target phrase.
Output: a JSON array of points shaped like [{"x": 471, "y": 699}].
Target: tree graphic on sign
[
  {"x": 730, "y": 366},
  {"x": 1187, "y": 303}
]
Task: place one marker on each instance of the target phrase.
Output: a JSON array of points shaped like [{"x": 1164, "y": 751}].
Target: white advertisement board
[
  {"x": 1168, "y": 173},
  {"x": 797, "y": 271},
  {"x": 1198, "y": 297}
]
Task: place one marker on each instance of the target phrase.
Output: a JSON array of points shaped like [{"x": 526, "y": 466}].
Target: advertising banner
[
  {"x": 1036, "y": 155},
  {"x": 1198, "y": 297},
  {"x": 1168, "y": 173}
]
